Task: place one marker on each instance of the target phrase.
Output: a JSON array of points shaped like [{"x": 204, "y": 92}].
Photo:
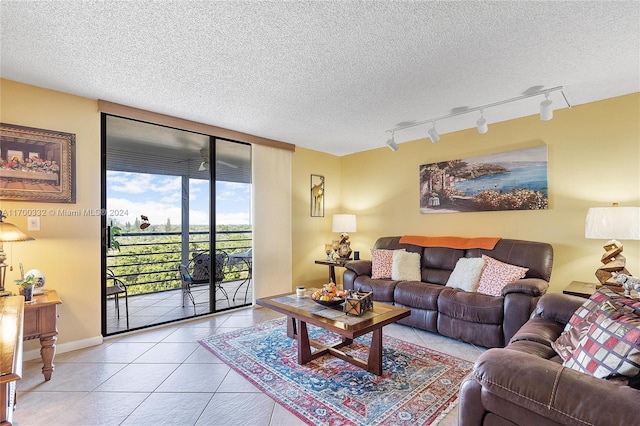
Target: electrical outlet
[{"x": 33, "y": 223}]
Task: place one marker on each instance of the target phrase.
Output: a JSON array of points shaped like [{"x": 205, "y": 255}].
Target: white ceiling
[{"x": 331, "y": 76}]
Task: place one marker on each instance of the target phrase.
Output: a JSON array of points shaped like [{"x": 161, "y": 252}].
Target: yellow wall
[
  {"x": 66, "y": 249},
  {"x": 594, "y": 159},
  {"x": 311, "y": 233}
]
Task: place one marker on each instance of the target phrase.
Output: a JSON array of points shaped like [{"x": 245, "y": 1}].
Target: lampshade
[
  {"x": 344, "y": 223},
  {"x": 620, "y": 223},
  {"x": 10, "y": 233}
]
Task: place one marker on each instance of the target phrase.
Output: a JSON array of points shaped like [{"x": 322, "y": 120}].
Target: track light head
[
  {"x": 433, "y": 134},
  {"x": 546, "y": 111},
  {"x": 481, "y": 124},
  {"x": 391, "y": 143}
]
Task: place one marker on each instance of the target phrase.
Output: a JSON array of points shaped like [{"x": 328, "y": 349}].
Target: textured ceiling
[{"x": 330, "y": 76}]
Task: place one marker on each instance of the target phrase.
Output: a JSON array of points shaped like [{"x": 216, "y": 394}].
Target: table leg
[
  {"x": 304, "y": 347},
  {"x": 375, "y": 353},
  {"x": 48, "y": 351},
  {"x": 291, "y": 327},
  {"x": 332, "y": 274}
]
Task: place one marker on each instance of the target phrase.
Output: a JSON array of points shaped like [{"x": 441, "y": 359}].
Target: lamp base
[{"x": 613, "y": 264}]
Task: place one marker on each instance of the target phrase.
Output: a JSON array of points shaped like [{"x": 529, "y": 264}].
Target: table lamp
[
  {"x": 8, "y": 233},
  {"x": 612, "y": 223},
  {"x": 344, "y": 223}
]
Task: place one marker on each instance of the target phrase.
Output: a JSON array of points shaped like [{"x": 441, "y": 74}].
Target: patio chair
[
  {"x": 115, "y": 288},
  {"x": 196, "y": 274}
]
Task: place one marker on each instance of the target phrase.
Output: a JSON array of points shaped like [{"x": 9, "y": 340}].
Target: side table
[
  {"x": 41, "y": 321},
  {"x": 580, "y": 288},
  {"x": 332, "y": 266}
]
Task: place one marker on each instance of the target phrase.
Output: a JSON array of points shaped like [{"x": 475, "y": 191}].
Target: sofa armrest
[
  {"x": 550, "y": 390},
  {"x": 353, "y": 270},
  {"x": 534, "y": 287},
  {"x": 360, "y": 267},
  {"x": 557, "y": 307}
]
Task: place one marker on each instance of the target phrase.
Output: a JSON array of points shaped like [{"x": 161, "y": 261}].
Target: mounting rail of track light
[{"x": 546, "y": 114}]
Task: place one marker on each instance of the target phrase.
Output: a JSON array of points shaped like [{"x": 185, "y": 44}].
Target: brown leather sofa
[
  {"x": 525, "y": 383},
  {"x": 476, "y": 318}
]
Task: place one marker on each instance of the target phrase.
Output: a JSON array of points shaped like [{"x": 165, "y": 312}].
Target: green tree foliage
[{"x": 148, "y": 263}]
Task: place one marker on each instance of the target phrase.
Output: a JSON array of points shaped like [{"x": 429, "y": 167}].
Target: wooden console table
[
  {"x": 41, "y": 321},
  {"x": 11, "y": 316}
]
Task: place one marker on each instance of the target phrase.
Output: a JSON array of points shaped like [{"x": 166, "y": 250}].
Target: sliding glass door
[{"x": 176, "y": 244}]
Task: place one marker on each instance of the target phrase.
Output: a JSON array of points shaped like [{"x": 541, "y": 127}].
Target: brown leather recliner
[
  {"x": 472, "y": 317},
  {"x": 525, "y": 383}
]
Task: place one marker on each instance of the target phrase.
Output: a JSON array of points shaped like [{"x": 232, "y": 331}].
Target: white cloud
[{"x": 233, "y": 219}]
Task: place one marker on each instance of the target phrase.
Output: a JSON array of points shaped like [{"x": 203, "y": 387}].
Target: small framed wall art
[{"x": 317, "y": 196}]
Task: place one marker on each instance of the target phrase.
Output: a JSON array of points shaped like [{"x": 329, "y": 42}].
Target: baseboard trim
[{"x": 65, "y": 347}]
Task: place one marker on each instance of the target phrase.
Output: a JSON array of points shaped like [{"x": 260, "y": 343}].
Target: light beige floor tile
[
  {"x": 169, "y": 409},
  {"x": 195, "y": 378},
  {"x": 235, "y": 383},
  {"x": 283, "y": 417},
  {"x": 117, "y": 352},
  {"x": 67, "y": 376},
  {"x": 203, "y": 355},
  {"x": 31, "y": 406},
  {"x": 167, "y": 353},
  {"x": 153, "y": 335},
  {"x": 97, "y": 408},
  {"x": 190, "y": 334},
  {"x": 138, "y": 378},
  {"x": 238, "y": 409}
]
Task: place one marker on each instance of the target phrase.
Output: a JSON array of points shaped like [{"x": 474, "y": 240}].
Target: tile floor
[
  {"x": 164, "y": 376},
  {"x": 155, "y": 308}
]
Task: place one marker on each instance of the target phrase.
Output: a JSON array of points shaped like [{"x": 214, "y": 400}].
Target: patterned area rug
[{"x": 418, "y": 386}]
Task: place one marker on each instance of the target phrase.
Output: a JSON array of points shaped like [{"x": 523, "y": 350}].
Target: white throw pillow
[
  {"x": 466, "y": 274},
  {"x": 406, "y": 266}
]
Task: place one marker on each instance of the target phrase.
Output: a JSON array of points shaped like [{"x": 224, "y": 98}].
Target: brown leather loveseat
[
  {"x": 526, "y": 384},
  {"x": 485, "y": 320}
]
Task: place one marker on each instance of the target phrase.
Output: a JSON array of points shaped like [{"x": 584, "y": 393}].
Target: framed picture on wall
[
  {"x": 508, "y": 180},
  {"x": 317, "y": 196},
  {"x": 37, "y": 164}
]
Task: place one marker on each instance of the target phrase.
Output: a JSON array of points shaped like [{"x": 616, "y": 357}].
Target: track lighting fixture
[
  {"x": 546, "y": 114},
  {"x": 546, "y": 111},
  {"x": 433, "y": 134},
  {"x": 391, "y": 143},
  {"x": 481, "y": 124}
]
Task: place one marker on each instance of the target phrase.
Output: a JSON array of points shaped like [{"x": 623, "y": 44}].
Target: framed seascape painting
[
  {"x": 36, "y": 164},
  {"x": 510, "y": 180},
  {"x": 317, "y": 196}
]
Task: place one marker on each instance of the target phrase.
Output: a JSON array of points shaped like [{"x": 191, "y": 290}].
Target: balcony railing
[{"x": 148, "y": 262}]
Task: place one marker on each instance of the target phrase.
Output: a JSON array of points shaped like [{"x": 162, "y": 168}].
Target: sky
[{"x": 130, "y": 195}]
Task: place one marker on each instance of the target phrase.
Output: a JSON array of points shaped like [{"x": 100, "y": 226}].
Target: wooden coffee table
[{"x": 301, "y": 311}]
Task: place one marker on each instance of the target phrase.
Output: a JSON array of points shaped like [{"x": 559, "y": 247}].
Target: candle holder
[{"x": 328, "y": 249}]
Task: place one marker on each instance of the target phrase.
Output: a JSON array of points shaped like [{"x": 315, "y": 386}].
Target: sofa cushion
[
  {"x": 610, "y": 347},
  {"x": 496, "y": 275},
  {"x": 471, "y": 307},
  {"x": 405, "y": 266},
  {"x": 382, "y": 289},
  {"x": 595, "y": 303},
  {"x": 466, "y": 274},
  {"x": 569, "y": 340},
  {"x": 381, "y": 263},
  {"x": 417, "y": 294}
]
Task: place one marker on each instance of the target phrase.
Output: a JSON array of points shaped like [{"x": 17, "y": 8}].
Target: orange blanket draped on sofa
[{"x": 487, "y": 243}]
